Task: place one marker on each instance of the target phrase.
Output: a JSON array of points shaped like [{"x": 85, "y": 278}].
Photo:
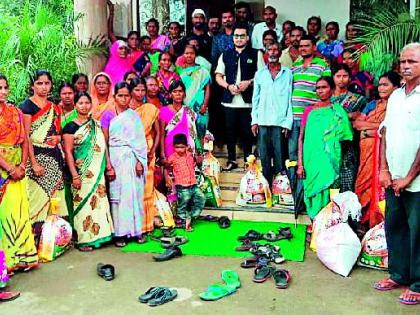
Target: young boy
[{"x": 191, "y": 199}]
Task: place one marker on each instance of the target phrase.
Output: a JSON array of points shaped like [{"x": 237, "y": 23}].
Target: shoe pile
[
  {"x": 158, "y": 295},
  {"x": 264, "y": 255},
  {"x": 171, "y": 244}
]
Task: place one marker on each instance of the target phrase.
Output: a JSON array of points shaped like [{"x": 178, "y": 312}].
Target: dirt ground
[{"x": 70, "y": 285}]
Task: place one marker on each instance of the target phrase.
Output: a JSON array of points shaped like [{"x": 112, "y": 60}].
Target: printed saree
[
  {"x": 17, "y": 241},
  {"x": 367, "y": 183},
  {"x": 149, "y": 114},
  {"x": 91, "y": 217},
  {"x": 164, "y": 82},
  {"x": 195, "y": 79},
  {"x": 46, "y": 123},
  {"x": 127, "y": 145},
  {"x": 325, "y": 128}
]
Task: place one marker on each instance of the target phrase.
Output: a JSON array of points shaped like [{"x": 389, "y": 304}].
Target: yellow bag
[{"x": 164, "y": 209}]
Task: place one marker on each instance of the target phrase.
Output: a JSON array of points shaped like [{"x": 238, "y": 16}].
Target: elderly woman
[
  {"x": 101, "y": 93},
  {"x": 367, "y": 182},
  {"x": 324, "y": 126},
  {"x": 124, "y": 133},
  {"x": 118, "y": 63}
]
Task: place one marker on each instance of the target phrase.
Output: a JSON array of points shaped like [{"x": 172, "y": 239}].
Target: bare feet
[
  {"x": 387, "y": 285},
  {"x": 409, "y": 297},
  {"x": 188, "y": 227},
  {"x": 142, "y": 239}
]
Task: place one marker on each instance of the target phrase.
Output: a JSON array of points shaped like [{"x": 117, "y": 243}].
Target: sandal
[
  {"x": 163, "y": 296},
  {"x": 282, "y": 278},
  {"x": 246, "y": 246},
  {"x": 249, "y": 263},
  {"x": 271, "y": 236},
  {"x": 167, "y": 242},
  {"x": 85, "y": 248},
  {"x": 231, "y": 278},
  {"x": 251, "y": 235},
  {"x": 224, "y": 222},
  {"x": 262, "y": 273},
  {"x": 149, "y": 294},
  {"x": 284, "y": 234},
  {"x": 387, "y": 285},
  {"x": 107, "y": 272},
  {"x": 6, "y": 296},
  {"x": 409, "y": 297},
  {"x": 209, "y": 218},
  {"x": 120, "y": 243},
  {"x": 216, "y": 292}
]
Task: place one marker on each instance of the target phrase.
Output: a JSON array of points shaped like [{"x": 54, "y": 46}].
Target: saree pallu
[
  {"x": 91, "y": 217},
  {"x": 149, "y": 114},
  {"x": 17, "y": 241},
  {"x": 46, "y": 123},
  {"x": 127, "y": 145},
  {"x": 183, "y": 122},
  {"x": 367, "y": 183},
  {"x": 195, "y": 79},
  {"x": 324, "y": 130}
]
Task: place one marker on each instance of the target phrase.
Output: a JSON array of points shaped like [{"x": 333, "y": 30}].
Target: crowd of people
[{"x": 296, "y": 94}]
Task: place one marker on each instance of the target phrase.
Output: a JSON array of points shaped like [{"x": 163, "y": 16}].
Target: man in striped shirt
[{"x": 307, "y": 69}]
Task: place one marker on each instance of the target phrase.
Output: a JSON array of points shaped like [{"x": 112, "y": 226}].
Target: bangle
[{"x": 76, "y": 177}]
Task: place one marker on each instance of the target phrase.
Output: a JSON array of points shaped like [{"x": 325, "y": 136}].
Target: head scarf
[
  {"x": 116, "y": 66},
  {"x": 97, "y": 108}
]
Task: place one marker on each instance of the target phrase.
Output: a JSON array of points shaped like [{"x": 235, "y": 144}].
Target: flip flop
[
  {"x": 251, "y": 235},
  {"x": 210, "y": 218},
  {"x": 163, "y": 296},
  {"x": 416, "y": 300},
  {"x": 105, "y": 271},
  {"x": 6, "y": 296},
  {"x": 149, "y": 294},
  {"x": 216, "y": 292},
  {"x": 262, "y": 273},
  {"x": 282, "y": 278},
  {"x": 246, "y": 246},
  {"x": 224, "y": 222},
  {"x": 271, "y": 236},
  {"x": 249, "y": 263},
  {"x": 231, "y": 278},
  {"x": 387, "y": 285}
]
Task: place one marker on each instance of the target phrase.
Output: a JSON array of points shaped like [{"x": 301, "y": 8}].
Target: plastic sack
[
  {"x": 208, "y": 141},
  {"x": 374, "y": 249},
  {"x": 281, "y": 191},
  {"x": 211, "y": 166},
  {"x": 164, "y": 209},
  {"x": 211, "y": 190},
  {"x": 338, "y": 248},
  {"x": 254, "y": 189}
]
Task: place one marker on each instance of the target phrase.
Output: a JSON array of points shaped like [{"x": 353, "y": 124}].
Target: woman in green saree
[
  {"x": 324, "y": 126},
  {"x": 85, "y": 150}
]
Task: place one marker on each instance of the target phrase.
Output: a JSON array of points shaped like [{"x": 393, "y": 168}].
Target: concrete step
[{"x": 275, "y": 214}]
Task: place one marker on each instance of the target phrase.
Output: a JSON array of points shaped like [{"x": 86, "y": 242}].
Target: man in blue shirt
[
  {"x": 224, "y": 40},
  {"x": 272, "y": 116}
]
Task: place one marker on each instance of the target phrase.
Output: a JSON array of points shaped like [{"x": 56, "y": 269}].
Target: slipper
[
  {"x": 167, "y": 242},
  {"x": 106, "y": 272},
  {"x": 210, "y": 218},
  {"x": 6, "y": 296},
  {"x": 249, "y": 263},
  {"x": 120, "y": 243},
  {"x": 387, "y": 285},
  {"x": 282, "y": 278},
  {"x": 414, "y": 300},
  {"x": 85, "y": 248},
  {"x": 246, "y": 246},
  {"x": 149, "y": 294},
  {"x": 251, "y": 235},
  {"x": 231, "y": 278},
  {"x": 163, "y": 296},
  {"x": 271, "y": 236},
  {"x": 224, "y": 222},
  {"x": 216, "y": 292},
  {"x": 262, "y": 273},
  {"x": 284, "y": 234}
]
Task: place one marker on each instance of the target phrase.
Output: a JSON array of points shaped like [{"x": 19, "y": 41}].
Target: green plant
[
  {"x": 384, "y": 34},
  {"x": 40, "y": 36}
]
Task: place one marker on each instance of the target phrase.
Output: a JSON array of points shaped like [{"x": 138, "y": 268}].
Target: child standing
[{"x": 191, "y": 199}]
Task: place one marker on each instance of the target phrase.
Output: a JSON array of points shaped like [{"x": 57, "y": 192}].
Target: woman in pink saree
[{"x": 118, "y": 63}]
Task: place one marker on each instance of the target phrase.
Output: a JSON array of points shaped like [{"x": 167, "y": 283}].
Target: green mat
[{"x": 208, "y": 239}]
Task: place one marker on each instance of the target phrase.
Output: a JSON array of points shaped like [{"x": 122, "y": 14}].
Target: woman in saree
[
  {"x": 197, "y": 82},
  {"x": 324, "y": 126},
  {"x": 85, "y": 151},
  {"x": 159, "y": 42},
  {"x": 367, "y": 183},
  {"x": 127, "y": 145},
  {"x": 165, "y": 77},
  {"x": 101, "y": 93},
  {"x": 352, "y": 103},
  {"x": 17, "y": 240},
  {"x": 80, "y": 82},
  {"x": 177, "y": 118},
  {"x": 66, "y": 93},
  {"x": 149, "y": 115},
  {"x": 45, "y": 170},
  {"x": 118, "y": 63}
]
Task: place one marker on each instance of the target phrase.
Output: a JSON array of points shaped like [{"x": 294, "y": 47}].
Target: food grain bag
[
  {"x": 211, "y": 190},
  {"x": 254, "y": 189},
  {"x": 56, "y": 234},
  {"x": 281, "y": 190},
  {"x": 211, "y": 166},
  {"x": 374, "y": 250},
  {"x": 164, "y": 209}
]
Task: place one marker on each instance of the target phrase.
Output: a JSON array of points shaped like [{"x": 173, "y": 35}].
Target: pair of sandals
[
  {"x": 281, "y": 277},
  {"x": 217, "y": 291},
  {"x": 157, "y": 296},
  {"x": 223, "y": 221},
  {"x": 406, "y": 298},
  {"x": 105, "y": 271},
  {"x": 283, "y": 234}
]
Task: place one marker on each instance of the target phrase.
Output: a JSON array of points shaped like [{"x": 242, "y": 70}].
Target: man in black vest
[{"x": 235, "y": 73}]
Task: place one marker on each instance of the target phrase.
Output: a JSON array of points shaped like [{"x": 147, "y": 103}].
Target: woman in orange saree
[
  {"x": 149, "y": 115},
  {"x": 367, "y": 183},
  {"x": 101, "y": 93}
]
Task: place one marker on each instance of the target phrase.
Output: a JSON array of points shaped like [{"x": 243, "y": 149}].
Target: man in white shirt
[
  {"x": 269, "y": 23},
  {"x": 400, "y": 175}
]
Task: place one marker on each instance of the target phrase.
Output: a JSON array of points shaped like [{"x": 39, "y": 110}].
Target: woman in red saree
[
  {"x": 43, "y": 128},
  {"x": 367, "y": 182}
]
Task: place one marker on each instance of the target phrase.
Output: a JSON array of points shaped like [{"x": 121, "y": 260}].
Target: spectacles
[{"x": 240, "y": 36}]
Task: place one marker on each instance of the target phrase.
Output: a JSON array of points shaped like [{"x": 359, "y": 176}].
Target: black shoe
[
  {"x": 170, "y": 253},
  {"x": 230, "y": 166}
]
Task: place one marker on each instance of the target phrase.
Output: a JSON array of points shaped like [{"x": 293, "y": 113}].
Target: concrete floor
[{"x": 70, "y": 286}]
